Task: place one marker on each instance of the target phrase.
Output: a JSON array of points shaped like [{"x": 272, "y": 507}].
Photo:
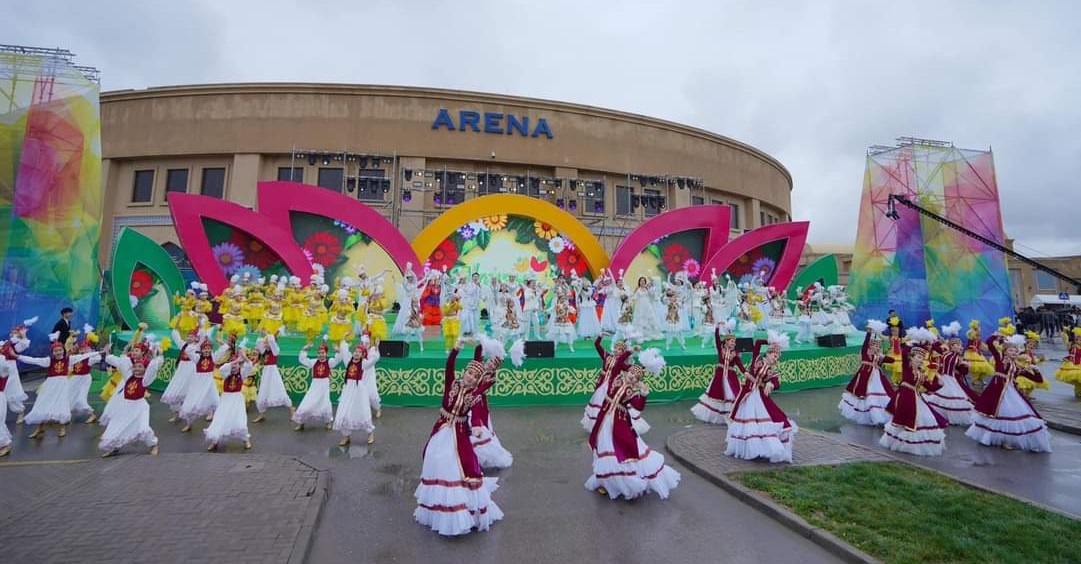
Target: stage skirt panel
[
  {"x": 129, "y": 422},
  {"x": 633, "y": 477},
  {"x": 177, "y": 389},
  {"x": 53, "y": 403},
  {"x": 230, "y": 420},
  {"x": 753, "y": 432},
  {"x": 354, "y": 409},
  {"x": 951, "y": 401},
  {"x": 927, "y": 437},
  {"x": 271, "y": 390},
  {"x": 78, "y": 388},
  {"x": 315, "y": 407},
  {"x": 202, "y": 397},
  {"x": 447, "y": 503},
  {"x": 1015, "y": 424}
]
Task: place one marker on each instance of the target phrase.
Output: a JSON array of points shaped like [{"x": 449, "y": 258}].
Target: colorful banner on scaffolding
[
  {"x": 916, "y": 265},
  {"x": 50, "y": 190}
]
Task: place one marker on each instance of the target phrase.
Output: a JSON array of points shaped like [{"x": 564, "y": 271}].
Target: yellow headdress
[{"x": 1032, "y": 336}]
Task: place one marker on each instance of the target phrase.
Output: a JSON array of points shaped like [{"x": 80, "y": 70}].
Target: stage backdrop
[
  {"x": 916, "y": 265},
  {"x": 50, "y": 193}
]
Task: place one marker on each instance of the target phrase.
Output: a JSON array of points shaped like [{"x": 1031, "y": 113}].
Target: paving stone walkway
[{"x": 169, "y": 508}]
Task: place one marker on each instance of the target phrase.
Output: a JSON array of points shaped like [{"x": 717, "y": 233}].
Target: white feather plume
[
  {"x": 778, "y": 339},
  {"x": 730, "y": 325},
  {"x": 952, "y": 330},
  {"x": 54, "y": 336},
  {"x": 88, "y": 328},
  {"x": 1016, "y": 340},
  {"x": 491, "y": 347},
  {"x": 652, "y": 360},
  {"x": 876, "y": 325},
  {"x": 517, "y": 353},
  {"x": 31, "y": 321},
  {"x": 919, "y": 335}
]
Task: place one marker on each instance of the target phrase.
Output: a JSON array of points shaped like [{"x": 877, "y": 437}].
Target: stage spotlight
[
  {"x": 339, "y": 157},
  {"x": 653, "y": 181},
  {"x": 312, "y": 158},
  {"x": 660, "y": 202},
  {"x": 363, "y": 162},
  {"x": 326, "y": 159},
  {"x": 598, "y": 207},
  {"x": 642, "y": 181},
  {"x": 679, "y": 182},
  {"x": 573, "y": 205},
  {"x": 351, "y": 184},
  {"x": 408, "y": 174},
  {"x": 407, "y": 196},
  {"x": 559, "y": 203},
  {"x": 438, "y": 199},
  {"x": 386, "y": 186},
  {"x": 636, "y": 201}
]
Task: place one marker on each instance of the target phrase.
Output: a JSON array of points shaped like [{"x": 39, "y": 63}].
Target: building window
[
  {"x": 735, "y": 216},
  {"x": 652, "y": 202},
  {"x": 291, "y": 174},
  {"x": 176, "y": 180},
  {"x": 1045, "y": 282},
  {"x": 594, "y": 197},
  {"x": 213, "y": 182},
  {"x": 371, "y": 185},
  {"x": 623, "y": 200},
  {"x": 331, "y": 178},
  {"x": 698, "y": 201},
  {"x": 142, "y": 189}
]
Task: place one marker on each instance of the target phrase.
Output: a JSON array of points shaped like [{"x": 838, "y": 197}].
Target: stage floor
[{"x": 567, "y": 378}]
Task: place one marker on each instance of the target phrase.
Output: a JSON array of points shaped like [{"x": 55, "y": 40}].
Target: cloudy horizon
[{"x": 812, "y": 85}]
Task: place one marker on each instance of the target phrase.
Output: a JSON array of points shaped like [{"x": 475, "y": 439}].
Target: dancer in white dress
[
  {"x": 408, "y": 291},
  {"x": 757, "y": 428},
  {"x": 5, "y": 433},
  {"x": 561, "y": 329},
  {"x": 589, "y": 326},
  {"x": 177, "y": 389},
  {"x": 80, "y": 380},
  {"x": 202, "y": 397},
  {"x": 53, "y": 403},
  {"x": 129, "y": 420},
  {"x": 10, "y": 350},
  {"x": 611, "y": 293},
  {"x": 230, "y": 419},
  {"x": 272, "y": 392},
  {"x": 471, "y": 300},
  {"x": 716, "y": 403},
  {"x": 354, "y": 406},
  {"x": 316, "y": 407},
  {"x": 951, "y": 399},
  {"x": 675, "y": 322},
  {"x": 623, "y": 465},
  {"x": 453, "y": 496},
  {"x": 531, "y": 309},
  {"x": 867, "y": 395},
  {"x": 490, "y": 451},
  {"x": 414, "y": 323}
]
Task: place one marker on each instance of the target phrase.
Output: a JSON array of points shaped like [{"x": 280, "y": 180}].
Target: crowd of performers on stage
[{"x": 564, "y": 311}]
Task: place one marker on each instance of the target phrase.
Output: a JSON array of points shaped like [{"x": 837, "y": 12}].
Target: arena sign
[{"x": 492, "y": 122}]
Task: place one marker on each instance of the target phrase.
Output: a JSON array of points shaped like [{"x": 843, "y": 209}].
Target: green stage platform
[{"x": 566, "y": 379}]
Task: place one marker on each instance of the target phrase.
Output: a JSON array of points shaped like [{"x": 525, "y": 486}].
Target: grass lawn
[{"x": 898, "y": 513}]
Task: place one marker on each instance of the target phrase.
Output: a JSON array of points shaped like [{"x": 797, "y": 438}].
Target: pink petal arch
[
  {"x": 794, "y": 232},
  {"x": 715, "y": 219},
  {"x": 188, "y": 210},
  {"x": 278, "y": 198}
]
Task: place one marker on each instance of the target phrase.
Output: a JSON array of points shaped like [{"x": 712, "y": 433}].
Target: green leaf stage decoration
[{"x": 134, "y": 249}]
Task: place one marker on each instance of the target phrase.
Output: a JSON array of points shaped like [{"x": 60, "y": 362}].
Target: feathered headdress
[
  {"x": 729, "y": 327},
  {"x": 490, "y": 347},
  {"x": 876, "y": 326},
  {"x": 1015, "y": 341},
  {"x": 952, "y": 330},
  {"x": 777, "y": 341},
  {"x": 652, "y": 360},
  {"x": 1032, "y": 336},
  {"x": 517, "y": 352},
  {"x": 24, "y": 325},
  {"x": 323, "y": 346},
  {"x": 89, "y": 336}
]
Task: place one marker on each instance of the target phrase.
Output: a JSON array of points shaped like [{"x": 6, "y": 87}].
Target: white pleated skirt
[
  {"x": 354, "y": 409},
  {"x": 631, "y": 478},
  {"x": 446, "y": 503},
  {"x": 129, "y": 422},
  {"x": 78, "y": 389},
  {"x": 315, "y": 407},
  {"x": 53, "y": 402},
  {"x": 177, "y": 389},
  {"x": 230, "y": 420},
  {"x": 202, "y": 397},
  {"x": 271, "y": 390},
  {"x": 1014, "y": 425}
]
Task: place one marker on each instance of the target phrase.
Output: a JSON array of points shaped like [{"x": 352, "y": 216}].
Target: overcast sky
[{"x": 813, "y": 86}]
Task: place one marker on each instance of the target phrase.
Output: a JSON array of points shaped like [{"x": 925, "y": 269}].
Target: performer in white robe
[
  {"x": 230, "y": 417},
  {"x": 272, "y": 392},
  {"x": 316, "y": 406},
  {"x": 354, "y": 406},
  {"x": 129, "y": 420}
]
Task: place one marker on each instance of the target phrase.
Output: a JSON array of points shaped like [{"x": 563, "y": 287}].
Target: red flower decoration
[
  {"x": 324, "y": 247},
  {"x": 444, "y": 256},
  {"x": 570, "y": 260},
  {"x": 674, "y": 256},
  {"x": 141, "y": 283},
  {"x": 538, "y": 265},
  {"x": 255, "y": 252}
]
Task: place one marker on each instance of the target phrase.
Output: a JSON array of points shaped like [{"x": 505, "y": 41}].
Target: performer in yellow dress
[
  {"x": 310, "y": 323},
  {"x": 377, "y": 323},
  {"x": 341, "y": 320},
  {"x": 273, "y": 319},
  {"x": 934, "y": 354},
  {"x": 232, "y": 322},
  {"x": 978, "y": 365},
  {"x": 452, "y": 325},
  {"x": 204, "y": 306},
  {"x": 293, "y": 304},
  {"x": 254, "y": 305},
  {"x": 1070, "y": 371},
  {"x": 186, "y": 320},
  {"x": 250, "y": 388},
  {"x": 894, "y": 351},
  {"x": 1030, "y": 359}
]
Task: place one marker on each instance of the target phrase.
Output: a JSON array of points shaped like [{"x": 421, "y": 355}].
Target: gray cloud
[{"x": 813, "y": 84}]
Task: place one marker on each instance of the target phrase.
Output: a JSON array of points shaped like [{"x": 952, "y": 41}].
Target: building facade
[
  {"x": 1032, "y": 287},
  {"x": 413, "y": 152}
]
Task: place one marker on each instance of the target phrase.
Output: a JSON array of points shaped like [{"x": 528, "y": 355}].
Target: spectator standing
[{"x": 63, "y": 326}]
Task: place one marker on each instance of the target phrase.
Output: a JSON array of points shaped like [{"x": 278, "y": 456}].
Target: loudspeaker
[
  {"x": 832, "y": 341},
  {"x": 540, "y": 349},
  {"x": 744, "y": 344},
  {"x": 393, "y": 349}
]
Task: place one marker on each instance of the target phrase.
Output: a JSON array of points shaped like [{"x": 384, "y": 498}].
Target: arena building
[{"x": 412, "y": 152}]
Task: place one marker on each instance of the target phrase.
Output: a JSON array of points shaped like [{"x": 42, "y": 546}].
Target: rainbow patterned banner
[
  {"x": 916, "y": 265},
  {"x": 50, "y": 192}
]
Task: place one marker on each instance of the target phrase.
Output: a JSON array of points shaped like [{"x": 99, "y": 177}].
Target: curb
[
  {"x": 776, "y": 511},
  {"x": 1063, "y": 427},
  {"x": 320, "y": 492}
]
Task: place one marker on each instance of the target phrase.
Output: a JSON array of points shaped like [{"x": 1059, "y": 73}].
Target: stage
[{"x": 566, "y": 379}]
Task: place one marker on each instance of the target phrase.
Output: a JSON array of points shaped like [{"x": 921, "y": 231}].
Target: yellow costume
[
  {"x": 452, "y": 326},
  {"x": 310, "y": 323},
  {"x": 978, "y": 365},
  {"x": 110, "y": 386},
  {"x": 377, "y": 324},
  {"x": 254, "y": 306},
  {"x": 232, "y": 323},
  {"x": 1070, "y": 371},
  {"x": 341, "y": 324},
  {"x": 250, "y": 389},
  {"x": 1028, "y": 359},
  {"x": 293, "y": 307}
]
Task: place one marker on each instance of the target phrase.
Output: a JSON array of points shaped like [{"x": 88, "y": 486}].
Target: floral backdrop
[
  {"x": 237, "y": 252},
  {"x": 509, "y": 244},
  {"x": 149, "y": 298},
  {"x": 680, "y": 251},
  {"x": 761, "y": 260},
  {"x": 341, "y": 248}
]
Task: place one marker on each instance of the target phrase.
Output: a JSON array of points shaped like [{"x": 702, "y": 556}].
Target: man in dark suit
[{"x": 63, "y": 326}]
